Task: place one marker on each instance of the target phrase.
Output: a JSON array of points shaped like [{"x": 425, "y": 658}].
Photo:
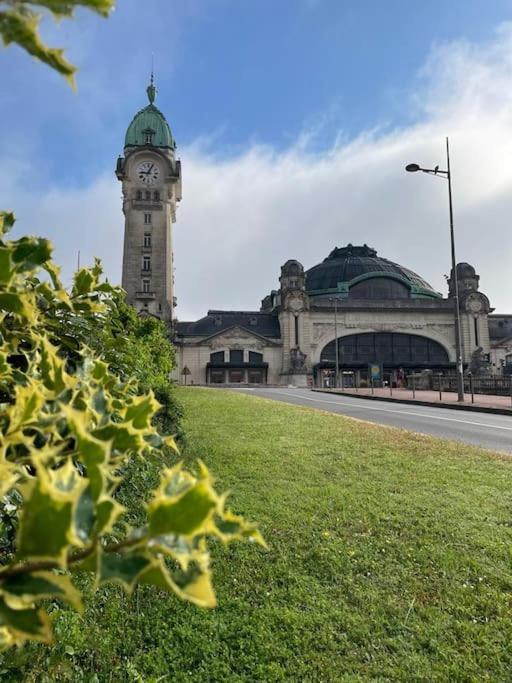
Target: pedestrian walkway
[{"x": 446, "y": 398}]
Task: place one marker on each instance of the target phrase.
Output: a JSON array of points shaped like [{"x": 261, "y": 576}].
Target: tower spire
[{"x": 151, "y": 90}]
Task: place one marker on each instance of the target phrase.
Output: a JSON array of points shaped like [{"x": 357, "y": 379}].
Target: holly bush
[{"x": 69, "y": 426}]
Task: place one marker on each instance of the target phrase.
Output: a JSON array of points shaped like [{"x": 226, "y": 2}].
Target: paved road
[{"x": 480, "y": 429}]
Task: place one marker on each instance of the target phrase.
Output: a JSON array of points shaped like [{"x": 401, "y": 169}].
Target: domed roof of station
[
  {"x": 350, "y": 265},
  {"x": 149, "y": 120}
]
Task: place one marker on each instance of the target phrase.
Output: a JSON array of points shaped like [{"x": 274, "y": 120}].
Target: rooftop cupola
[{"x": 149, "y": 126}]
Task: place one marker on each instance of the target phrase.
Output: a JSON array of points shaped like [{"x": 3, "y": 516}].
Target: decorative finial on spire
[{"x": 151, "y": 90}]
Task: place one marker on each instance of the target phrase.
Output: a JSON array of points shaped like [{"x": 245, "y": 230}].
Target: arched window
[
  {"x": 379, "y": 288},
  {"x": 391, "y": 348},
  {"x": 148, "y": 194},
  {"x": 255, "y": 357},
  {"x": 217, "y": 357}
]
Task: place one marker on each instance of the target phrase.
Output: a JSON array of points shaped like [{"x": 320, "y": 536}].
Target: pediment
[{"x": 237, "y": 337}]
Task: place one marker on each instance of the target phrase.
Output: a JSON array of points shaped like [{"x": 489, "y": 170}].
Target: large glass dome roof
[{"x": 346, "y": 266}]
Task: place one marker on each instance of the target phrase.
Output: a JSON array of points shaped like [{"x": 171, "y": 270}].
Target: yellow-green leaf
[
  {"x": 22, "y": 590},
  {"x": 122, "y": 568},
  {"x": 23, "y": 624},
  {"x": 187, "y": 513},
  {"x": 47, "y": 520}
]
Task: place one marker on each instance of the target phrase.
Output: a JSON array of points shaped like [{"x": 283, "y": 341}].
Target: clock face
[{"x": 148, "y": 172}]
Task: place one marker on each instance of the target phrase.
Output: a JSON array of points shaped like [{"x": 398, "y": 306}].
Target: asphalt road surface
[{"x": 481, "y": 429}]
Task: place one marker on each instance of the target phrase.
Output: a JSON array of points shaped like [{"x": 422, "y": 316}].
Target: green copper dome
[{"x": 149, "y": 126}]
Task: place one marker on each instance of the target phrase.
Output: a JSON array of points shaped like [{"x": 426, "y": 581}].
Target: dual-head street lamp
[{"x": 413, "y": 168}]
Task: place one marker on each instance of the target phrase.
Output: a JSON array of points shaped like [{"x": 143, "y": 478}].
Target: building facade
[
  {"x": 375, "y": 310},
  {"x": 355, "y": 305}
]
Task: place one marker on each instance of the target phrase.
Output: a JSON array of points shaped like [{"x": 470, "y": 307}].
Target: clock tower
[{"x": 151, "y": 182}]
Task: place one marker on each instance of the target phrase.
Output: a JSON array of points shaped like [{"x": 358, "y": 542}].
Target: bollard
[
  {"x": 371, "y": 380},
  {"x": 390, "y": 387},
  {"x": 471, "y": 388},
  {"x": 440, "y": 389},
  {"x": 413, "y": 387}
]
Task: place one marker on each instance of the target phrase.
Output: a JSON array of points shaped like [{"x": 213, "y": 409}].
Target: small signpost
[
  {"x": 375, "y": 373},
  {"x": 185, "y": 372}
]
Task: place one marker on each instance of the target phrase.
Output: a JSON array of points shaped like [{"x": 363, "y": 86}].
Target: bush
[{"x": 72, "y": 421}]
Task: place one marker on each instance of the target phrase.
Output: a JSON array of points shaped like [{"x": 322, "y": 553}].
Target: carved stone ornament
[
  {"x": 297, "y": 360},
  {"x": 479, "y": 364},
  {"x": 296, "y": 302},
  {"x": 475, "y": 302},
  {"x": 236, "y": 339}
]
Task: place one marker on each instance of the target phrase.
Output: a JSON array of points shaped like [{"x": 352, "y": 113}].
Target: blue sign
[{"x": 375, "y": 371}]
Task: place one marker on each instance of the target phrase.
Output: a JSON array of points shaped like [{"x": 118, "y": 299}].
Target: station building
[
  {"x": 373, "y": 309},
  {"x": 385, "y": 313}
]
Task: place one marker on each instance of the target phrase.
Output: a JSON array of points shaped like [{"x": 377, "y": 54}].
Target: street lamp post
[
  {"x": 336, "y": 372},
  {"x": 413, "y": 168}
]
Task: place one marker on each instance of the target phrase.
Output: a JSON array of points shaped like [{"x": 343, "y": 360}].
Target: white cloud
[{"x": 242, "y": 217}]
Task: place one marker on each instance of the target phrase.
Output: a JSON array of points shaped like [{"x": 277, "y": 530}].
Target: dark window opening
[
  {"x": 236, "y": 356},
  {"x": 138, "y": 195},
  {"x": 148, "y": 194},
  {"x": 148, "y": 136},
  {"x": 236, "y": 376},
  {"x": 147, "y": 219},
  {"x": 217, "y": 357},
  {"x": 255, "y": 376},
  {"x": 146, "y": 263},
  {"x": 147, "y": 239},
  {"x": 296, "y": 330},
  {"x": 379, "y": 288},
  {"x": 475, "y": 321},
  {"x": 156, "y": 196},
  {"x": 217, "y": 376},
  {"x": 255, "y": 357},
  {"x": 392, "y": 348},
  {"x": 146, "y": 284}
]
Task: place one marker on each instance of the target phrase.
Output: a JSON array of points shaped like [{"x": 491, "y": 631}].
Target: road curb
[{"x": 418, "y": 402}]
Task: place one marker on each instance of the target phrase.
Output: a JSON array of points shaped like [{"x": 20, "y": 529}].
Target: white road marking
[{"x": 391, "y": 410}]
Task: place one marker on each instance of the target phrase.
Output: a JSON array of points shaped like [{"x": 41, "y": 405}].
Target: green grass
[{"x": 389, "y": 558}]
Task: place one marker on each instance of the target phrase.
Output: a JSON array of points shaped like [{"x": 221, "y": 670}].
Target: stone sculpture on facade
[{"x": 297, "y": 361}]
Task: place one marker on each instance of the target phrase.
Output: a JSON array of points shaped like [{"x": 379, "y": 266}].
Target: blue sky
[{"x": 268, "y": 81}]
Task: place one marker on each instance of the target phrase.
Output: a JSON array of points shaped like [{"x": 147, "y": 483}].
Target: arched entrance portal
[{"x": 394, "y": 350}]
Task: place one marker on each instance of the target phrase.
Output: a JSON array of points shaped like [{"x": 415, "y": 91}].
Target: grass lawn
[{"x": 389, "y": 558}]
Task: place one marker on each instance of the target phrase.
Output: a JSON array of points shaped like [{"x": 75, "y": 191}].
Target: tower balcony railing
[{"x": 145, "y": 295}]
